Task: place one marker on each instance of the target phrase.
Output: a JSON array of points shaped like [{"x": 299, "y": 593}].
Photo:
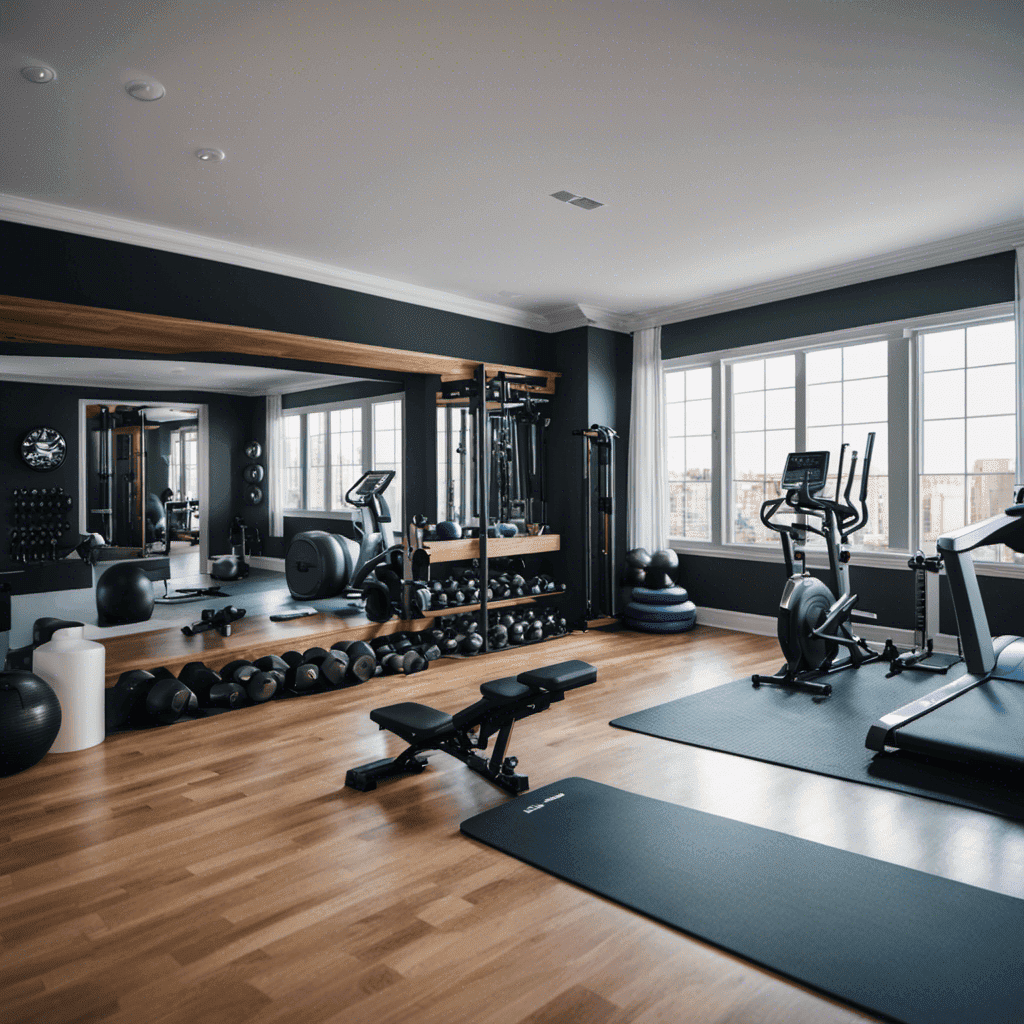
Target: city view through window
[{"x": 964, "y": 442}]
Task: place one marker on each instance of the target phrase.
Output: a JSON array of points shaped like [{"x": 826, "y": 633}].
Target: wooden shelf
[
  {"x": 497, "y": 547},
  {"x": 459, "y": 609}
]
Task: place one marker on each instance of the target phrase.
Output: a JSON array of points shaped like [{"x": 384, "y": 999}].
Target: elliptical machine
[
  {"x": 321, "y": 565},
  {"x": 814, "y": 619}
]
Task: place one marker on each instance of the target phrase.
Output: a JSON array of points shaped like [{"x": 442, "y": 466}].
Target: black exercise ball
[
  {"x": 448, "y": 530},
  {"x": 662, "y": 570},
  {"x": 29, "y": 720},
  {"x": 637, "y": 560},
  {"x": 124, "y": 593}
]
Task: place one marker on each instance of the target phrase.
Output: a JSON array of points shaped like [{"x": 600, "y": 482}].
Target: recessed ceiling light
[
  {"x": 210, "y": 156},
  {"x": 38, "y": 73},
  {"x": 574, "y": 200},
  {"x": 145, "y": 91}
]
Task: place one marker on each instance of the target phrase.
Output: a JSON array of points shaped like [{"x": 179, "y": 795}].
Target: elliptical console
[{"x": 814, "y": 618}]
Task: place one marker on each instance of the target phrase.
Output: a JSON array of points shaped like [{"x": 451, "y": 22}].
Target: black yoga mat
[
  {"x": 895, "y": 942},
  {"x": 826, "y": 735}
]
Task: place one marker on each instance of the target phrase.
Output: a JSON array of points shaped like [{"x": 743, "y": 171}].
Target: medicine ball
[
  {"x": 448, "y": 531},
  {"x": 662, "y": 570},
  {"x": 637, "y": 560},
  {"x": 29, "y": 720},
  {"x": 124, "y": 593}
]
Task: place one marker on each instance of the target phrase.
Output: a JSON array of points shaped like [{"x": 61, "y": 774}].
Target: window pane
[
  {"x": 697, "y": 525},
  {"x": 856, "y": 437},
  {"x": 821, "y": 439},
  {"x": 748, "y": 376},
  {"x": 747, "y": 500},
  {"x": 942, "y": 506},
  {"x": 943, "y": 394},
  {"x": 865, "y": 401},
  {"x": 824, "y": 404},
  {"x": 780, "y": 372},
  {"x": 698, "y": 417},
  {"x": 698, "y": 383},
  {"x": 748, "y": 411},
  {"x": 990, "y": 343},
  {"x": 780, "y": 408},
  {"x": 698, "y": 458},
  {"x": 676, "y": 458},
  {"x": 824, "y": 364},
  {"x": 676, "y": 506},
  {"x": 875, "y": 535},
  {"x": 942, "y": 350},
  {"x": 748, "y": 456},
  {"x": 991, "y": 445},
  {"x": 675, "y": 385},
  {"x": 870, "y": 360},
  {"x": 944, "y": 447},
  {"x": 778, "y": 444},
  {"x": 676, "y": 419},
  {"x": 991, "y": 391}
]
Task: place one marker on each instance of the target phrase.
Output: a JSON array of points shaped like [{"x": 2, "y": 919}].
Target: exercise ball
[
  {"x": 635, "y": 572},
  {"x": 124, "y": 593},
  {"x": 317, "y": 565},
  {"x": 448, "y": 530},
  {"x": 662, "y": 570},
  {"x": 29, "y": 720}
]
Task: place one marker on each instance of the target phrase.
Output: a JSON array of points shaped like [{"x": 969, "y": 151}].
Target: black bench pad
[
  {"x": 505, "y": 691},
  {"x": 414, "y": 723},
  {"x": 566, "y": 675}
]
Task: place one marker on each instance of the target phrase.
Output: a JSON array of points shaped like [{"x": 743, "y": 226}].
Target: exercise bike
[{"x": 814, "y": 619}]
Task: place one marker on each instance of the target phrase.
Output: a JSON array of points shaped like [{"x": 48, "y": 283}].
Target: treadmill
[{"x": 978, "y": 717}]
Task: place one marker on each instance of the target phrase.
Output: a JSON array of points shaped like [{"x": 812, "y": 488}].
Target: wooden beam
[{"x": 40, "y": 321}]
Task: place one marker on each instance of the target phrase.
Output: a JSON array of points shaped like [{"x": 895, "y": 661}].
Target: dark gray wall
[{"x": 755, "y": 586}]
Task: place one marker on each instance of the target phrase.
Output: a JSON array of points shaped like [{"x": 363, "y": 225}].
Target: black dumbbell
[
  {"x": 535, "y": 631},
  {"x": 333, "y": 666},
  {"x": 471, "y": 643},
  {"x": 497, "y": 637},
  {"x": 401, "y": 643},
  {"x": 362, "y": 662},
  {"x": 517, "y": 633},
  {"x": 210, "y": 689},
  {"x": 259, "y": 686},
  {"x": 127, "y": 700},
  {"x": 169, "y": 699},
  {"x": 299, "y": 677},
  {"x": 429, "y": 651}
]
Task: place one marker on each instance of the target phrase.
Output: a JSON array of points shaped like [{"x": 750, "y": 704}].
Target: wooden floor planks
[{"x": 218, "y": 871}]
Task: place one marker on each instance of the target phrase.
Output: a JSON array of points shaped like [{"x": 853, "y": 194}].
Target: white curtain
[
  {"x": 275, "y": 465},
  {"x": 647, "y": 518},
  {"x": 1018, "y": 305}
]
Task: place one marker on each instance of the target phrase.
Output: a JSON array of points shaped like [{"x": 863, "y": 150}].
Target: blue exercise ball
[
  {"x": 29, "y": 720},
  {"x": 124, "y": 593}
]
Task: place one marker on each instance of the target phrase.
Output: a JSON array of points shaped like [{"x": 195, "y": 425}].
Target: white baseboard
[{"x": 766, "y": 625}]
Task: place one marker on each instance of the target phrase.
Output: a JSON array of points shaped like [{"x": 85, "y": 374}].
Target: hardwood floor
[{"x": 219, "y": 871}]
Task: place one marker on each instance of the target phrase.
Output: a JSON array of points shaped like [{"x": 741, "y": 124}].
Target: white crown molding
[
  {"x": 920, "y": 257},
  {"x": 37, "y": 213},
  {"x": 565, "y": 319}
]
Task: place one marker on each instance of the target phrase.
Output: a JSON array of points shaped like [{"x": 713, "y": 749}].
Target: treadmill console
[{"x": 811, "y": 467}]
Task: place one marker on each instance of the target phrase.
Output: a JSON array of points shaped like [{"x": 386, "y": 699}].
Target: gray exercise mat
[
  {"x": 826, "y": 735},
  {"x": 903, "y": 944}
]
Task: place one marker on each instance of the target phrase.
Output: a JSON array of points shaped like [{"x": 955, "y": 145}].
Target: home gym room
[{"x": 512, "y": 514}]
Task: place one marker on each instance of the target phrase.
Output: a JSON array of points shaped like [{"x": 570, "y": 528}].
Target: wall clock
[{"x": 44, "y": 449}]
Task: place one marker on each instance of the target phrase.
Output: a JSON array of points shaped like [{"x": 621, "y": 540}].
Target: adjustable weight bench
[{"x": 503, "y": 703}]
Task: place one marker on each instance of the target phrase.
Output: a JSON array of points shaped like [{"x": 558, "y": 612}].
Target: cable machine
[{"x": 599, "y": 496}]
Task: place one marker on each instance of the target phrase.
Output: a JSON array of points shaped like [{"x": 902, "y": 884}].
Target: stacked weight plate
[{"x": 668, "y": 610}]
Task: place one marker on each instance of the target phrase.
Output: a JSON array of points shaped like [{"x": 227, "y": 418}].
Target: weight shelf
[
  {"x": 497, "y": 547},
  {"x": 460, "y": 609}
]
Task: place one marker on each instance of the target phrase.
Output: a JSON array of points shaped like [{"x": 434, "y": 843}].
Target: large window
[
  {"x": 689, "y": 452},
  {"x": 969, "y": 436},
  {"x": 327, "y": 449},
  {"x": 942, "y": 396},
  {"x": 763, "y": 431},
  {"x": 183, "y": 471}
]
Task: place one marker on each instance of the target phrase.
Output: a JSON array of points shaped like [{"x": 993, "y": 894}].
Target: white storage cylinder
[{"x": 76, "y": 669}]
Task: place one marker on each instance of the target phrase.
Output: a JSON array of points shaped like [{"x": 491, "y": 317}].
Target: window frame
[
  {"x": 365, "y": 405},
  {"x": 905, "y": 431}
]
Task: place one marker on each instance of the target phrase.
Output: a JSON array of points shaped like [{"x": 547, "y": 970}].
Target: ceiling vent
[{"x": 574, "y": 200}]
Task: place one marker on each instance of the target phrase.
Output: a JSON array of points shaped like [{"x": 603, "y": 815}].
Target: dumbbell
[
  {"x": 517, "y": 633},
  {"x": 497, "y": 637},
  {"x": 535, "y": 630},
  {"x": 128, "y": 698},
  {"x": 407, "y": 663},
  {"x": 362, "y": 662},
  {"x": 169, "y": 698},
  {"x": 449, "y": 642},
  {"x": 299, "y": 677},
  {"x": 333, "y": 666},
  {"x": 210, "y": 690},
  {"x": 471, "y": 643},
  {"x": 259, "y": 686},
  {"x": 401, "y": 643}
]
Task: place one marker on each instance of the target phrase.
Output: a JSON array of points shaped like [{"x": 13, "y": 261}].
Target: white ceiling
[
  {"x": 410, "y": 149},
  {"x": 161, "y": 375}
]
